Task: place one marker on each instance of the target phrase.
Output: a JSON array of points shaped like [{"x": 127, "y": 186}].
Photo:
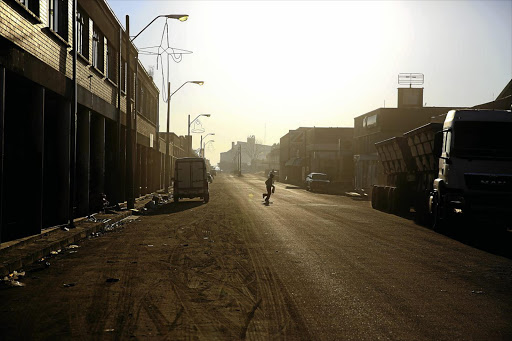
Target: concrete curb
[{"x": 29, "y": 250}]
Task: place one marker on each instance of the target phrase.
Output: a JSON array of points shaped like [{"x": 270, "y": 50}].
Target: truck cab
[{"x": 475, "y": 164}]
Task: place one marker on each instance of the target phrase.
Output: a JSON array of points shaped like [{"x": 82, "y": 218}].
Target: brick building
[
  {"x": 384, "y": 123},
  {"x": 45, "y": 148},
  {"x": 323, "y": 150}
]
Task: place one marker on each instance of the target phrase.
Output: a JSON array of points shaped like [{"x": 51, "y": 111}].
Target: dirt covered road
[
  {"x": 184, "y": 273},
  {"x": 308, "y": 266}
]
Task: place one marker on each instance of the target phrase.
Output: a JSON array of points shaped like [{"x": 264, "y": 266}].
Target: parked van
[{"x": 190, "y": 179}]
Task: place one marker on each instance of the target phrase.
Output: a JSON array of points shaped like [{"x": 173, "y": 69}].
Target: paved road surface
[{"x": 308, "y": 266}]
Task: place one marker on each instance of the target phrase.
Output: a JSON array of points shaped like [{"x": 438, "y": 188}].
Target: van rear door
[{"x": 197, "y": 171}]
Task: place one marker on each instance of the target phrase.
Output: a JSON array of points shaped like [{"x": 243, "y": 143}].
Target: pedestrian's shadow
[{"x": 267, "y": 203}]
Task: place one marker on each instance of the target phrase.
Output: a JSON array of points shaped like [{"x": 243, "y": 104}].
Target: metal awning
[{"x": 295, "y": 162}]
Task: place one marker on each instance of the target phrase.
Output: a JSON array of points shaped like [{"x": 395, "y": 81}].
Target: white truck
[
  {"x": 190, "y": 179},
  {"x": 475, "y": 166},
  {"x": 463, "y": 165}
]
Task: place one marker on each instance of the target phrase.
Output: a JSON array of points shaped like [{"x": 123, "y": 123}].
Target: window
[
  {"x": 123, "y": 75},
  {"x": 32, "y": 5},
  {"x": 111, "y": 70},
  {"x": 141, "y": 102},
  {"x": 447, "y": 143},
  {"x": 58, "y": 17},
  {"x": 98, "y": 49},
  {"x": 82, "y": 31}
]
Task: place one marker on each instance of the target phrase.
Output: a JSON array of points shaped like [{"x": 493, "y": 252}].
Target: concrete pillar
[
  {"x": 2, "y": 115},
  {"x": 144, "y": 170},
  {"x": 35, "y": 148},
  {"x": 63, "y": 160},
  {"x": 83, "y": 148},
  {"x": 97, "y": 181},
  {"x": 137, "y": 172},
  {"x": 122, "y": 165}
]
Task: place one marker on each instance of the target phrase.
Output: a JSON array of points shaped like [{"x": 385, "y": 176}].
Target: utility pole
[{"x": 130, "y": 200}]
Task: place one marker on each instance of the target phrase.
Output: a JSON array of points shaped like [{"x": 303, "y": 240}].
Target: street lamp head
[
  {"x": 180, "y": 17},
  {"x": 197, "y": 82},
  {"x": 207, "y": 115}
]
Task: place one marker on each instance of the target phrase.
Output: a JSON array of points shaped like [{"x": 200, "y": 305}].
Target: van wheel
[
  {"x": 176, "y": 199},
  {"x": 206, "y": 198}
]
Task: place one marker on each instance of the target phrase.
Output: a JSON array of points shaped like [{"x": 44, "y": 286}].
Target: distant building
[
  {"x": 378, "y": 125},
  {"x": 272, "y": 158},
  {"x": 253, "y": 156},
  {"x": 323, "y": 150}
]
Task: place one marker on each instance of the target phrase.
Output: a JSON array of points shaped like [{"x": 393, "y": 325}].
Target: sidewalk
[{"x": 16, "y": 254}]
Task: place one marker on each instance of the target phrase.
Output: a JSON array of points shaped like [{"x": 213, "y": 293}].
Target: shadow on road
[
  {"x": 293, "y": 187},
  {"x": 492, "y": 239},
  {"x": 172, "y": 207}
]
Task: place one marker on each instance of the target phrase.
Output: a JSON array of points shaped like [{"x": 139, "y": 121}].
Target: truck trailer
[{"x": 461, "y": 166}]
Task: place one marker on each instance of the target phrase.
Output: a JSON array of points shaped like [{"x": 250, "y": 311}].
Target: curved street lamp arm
[
  {"x": 195, "y": 119},
  {"x": 195, "y": 82},
  {"x": 180, "y": 17},
  {"x": 180, "y": 87},
  {"x": 132, "y": 39}
]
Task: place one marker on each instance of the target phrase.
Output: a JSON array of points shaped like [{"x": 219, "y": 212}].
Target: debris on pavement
[
  {"x": 112, "y": 280},
  {"x": 11, "y": 281},
  {"x": 68, "y": 285}
]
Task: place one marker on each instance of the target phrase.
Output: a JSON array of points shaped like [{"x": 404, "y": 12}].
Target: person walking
[{"x": 270, "y": 187}]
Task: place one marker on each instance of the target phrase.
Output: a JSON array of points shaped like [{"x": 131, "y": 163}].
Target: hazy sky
[{"x": 272, "y": 66}]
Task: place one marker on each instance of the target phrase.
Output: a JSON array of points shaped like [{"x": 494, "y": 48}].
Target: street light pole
[
  {"x": 189, "y": 139},
  {"x": 201, "y": 144},
  {"x": 130, "y": 199},
  {"x": 167, "y": 161},
  {"x": 204, "y": 150}
]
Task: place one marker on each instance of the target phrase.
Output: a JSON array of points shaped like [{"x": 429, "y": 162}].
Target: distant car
[{"x": 317, "y": 182}]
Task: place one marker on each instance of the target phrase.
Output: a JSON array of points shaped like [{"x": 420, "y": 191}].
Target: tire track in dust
[{"x": 281, "y": 318}]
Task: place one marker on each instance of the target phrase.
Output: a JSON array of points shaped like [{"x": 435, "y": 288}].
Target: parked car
[{"x": 317, "y": 182}]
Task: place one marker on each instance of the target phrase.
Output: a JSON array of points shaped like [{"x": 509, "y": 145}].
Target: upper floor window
[
  {"x": 98, "y": 49},
  {"x": 82, "y": 31},
  {"x": 111, "y": 70},
  {"x": 32, "y": 5},
  {"x": 123, "y": 75},
  {"x": 58, "y": 17}
]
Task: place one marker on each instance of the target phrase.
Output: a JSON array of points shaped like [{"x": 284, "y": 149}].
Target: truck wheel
[
  {"x": 206, "y": 198},
  {"x": 374, "y": 197},
  {"x": 437, "y": 218},
  {"x": 392, "y": 200}
]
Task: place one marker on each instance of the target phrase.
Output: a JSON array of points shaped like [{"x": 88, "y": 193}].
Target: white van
[{"x": 190, "y": 180}]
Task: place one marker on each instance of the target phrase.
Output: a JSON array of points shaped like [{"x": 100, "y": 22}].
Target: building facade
[
  {"x": 253, "y": 156},
  {"x": 62, "y": 162},
  {"x": 322, "y": 150}
]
